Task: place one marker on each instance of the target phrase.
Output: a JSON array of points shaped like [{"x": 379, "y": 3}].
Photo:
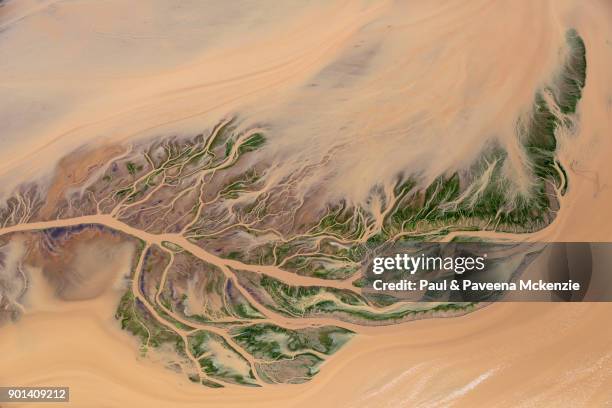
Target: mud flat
[
  {"x": 171, "y": 226},
  {"x": 481, "y": 351}
]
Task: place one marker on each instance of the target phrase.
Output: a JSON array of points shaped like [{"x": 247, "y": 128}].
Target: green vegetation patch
[
  {"x": 219, "y": 360},
  {"x": 271, "y": 342}
]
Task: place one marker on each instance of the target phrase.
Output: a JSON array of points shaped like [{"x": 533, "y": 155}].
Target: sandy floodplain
[{"x": 359, "y": 91}]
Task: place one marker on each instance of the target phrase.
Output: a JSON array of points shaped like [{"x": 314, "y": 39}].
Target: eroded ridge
[{"x": 235, "y": 278}]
